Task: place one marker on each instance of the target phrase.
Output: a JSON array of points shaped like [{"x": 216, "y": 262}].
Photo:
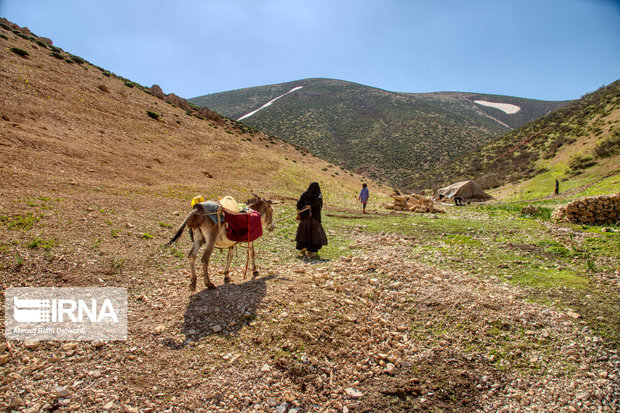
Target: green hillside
[
  {"x": 578, "y": 144},
  {"x": 378, "y": 133}
]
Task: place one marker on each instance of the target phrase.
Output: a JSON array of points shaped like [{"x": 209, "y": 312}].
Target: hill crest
[{"x": 382, "y": 134}]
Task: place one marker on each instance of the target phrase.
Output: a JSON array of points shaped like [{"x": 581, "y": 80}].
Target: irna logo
[
  {"x": 63, "y": 310},
  {"x": 65, "y": 313}
]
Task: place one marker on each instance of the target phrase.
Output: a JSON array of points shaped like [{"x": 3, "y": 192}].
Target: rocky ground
[{"x": 371, "y": 331}]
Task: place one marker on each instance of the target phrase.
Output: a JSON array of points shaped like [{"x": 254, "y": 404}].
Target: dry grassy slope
[{"x": 59, "y": 128}]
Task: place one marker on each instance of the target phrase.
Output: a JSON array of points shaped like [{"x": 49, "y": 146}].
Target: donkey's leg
[
  {"x": 253, "y": 255},
  {"x": 198, "y": 242},
  {"x": 210, "y": 238},
  {"x": 228, "y": 261}
]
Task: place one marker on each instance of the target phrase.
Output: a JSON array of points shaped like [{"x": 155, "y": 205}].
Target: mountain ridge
[{"x": 382, "y": 134}]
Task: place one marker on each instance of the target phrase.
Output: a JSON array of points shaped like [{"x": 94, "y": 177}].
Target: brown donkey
[{"x": 204, "y": 230}]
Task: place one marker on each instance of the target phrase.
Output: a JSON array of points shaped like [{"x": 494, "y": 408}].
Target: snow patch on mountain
[
  {"x": 504, "y": 107},
  {"x": 269, "y": 103}
]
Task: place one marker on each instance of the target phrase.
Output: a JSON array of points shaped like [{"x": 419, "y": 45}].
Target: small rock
[
  {"x": 69, "y": 346},
  {"x": 160, "y": 328},
  {"x": 108, "y": 406},
  {"x": 350, "y": 391},
  {"x": 266, "y": 368},
  {"x": 3, "y": 359},
  {"x": 272, "y": 402},
  {"x": 583, "y": 395},
  {"x": 390, "y": 369},
  {"x": 62, "y": 392},
  {"x": 31, "y": 345},
  {"x": 15, "y": 403},
  {"x": 216, "y": 328},
  {"x": 282, "y": 408}
]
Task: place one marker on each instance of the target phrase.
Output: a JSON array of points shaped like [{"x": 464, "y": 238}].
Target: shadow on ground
[{"x": 224, "y": 310}]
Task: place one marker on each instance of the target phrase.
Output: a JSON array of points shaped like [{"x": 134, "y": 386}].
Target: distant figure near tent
[
  {"x": 557, "y": 187},
  {"x": 463, "y": 191}
]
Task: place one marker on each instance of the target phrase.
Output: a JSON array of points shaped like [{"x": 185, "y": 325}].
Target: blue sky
[{"x": 540, "y": 49}]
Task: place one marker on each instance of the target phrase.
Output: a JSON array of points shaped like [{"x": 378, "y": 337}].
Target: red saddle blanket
[{"x": 243, "y": 227}]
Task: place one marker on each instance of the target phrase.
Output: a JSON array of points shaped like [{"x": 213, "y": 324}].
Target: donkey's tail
[{"x": 181, "y": 228}]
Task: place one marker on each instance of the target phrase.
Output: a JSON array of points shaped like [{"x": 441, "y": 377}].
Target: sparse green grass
[
  {"x": 20, "y": 222},
  {"x": 40, "y": 243},
  {"x": 117, "y": 264}
]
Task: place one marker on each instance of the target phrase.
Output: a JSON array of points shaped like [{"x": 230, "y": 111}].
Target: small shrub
[
  {"x": 579, "y": 162},
  {"x": 77, "y": 59},
  {"x": 4, "y": 37},
  {"x": 146, "y": 235},
  {"x": 40, "y": 43},
  {"x": 607, "y": 147},
  {"x": 20, "y": 52},
  {"x": 153, "y": 115},
  {"x": 57, "y": 55},
  {"x": 69, "y": 61},
  {"x": 128, "y": 84}
]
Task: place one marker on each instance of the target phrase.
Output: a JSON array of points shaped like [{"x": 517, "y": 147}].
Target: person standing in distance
[{"x": 363, "y": 197}]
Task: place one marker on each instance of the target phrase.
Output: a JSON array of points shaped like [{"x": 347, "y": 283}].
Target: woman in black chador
[{"x": 310, "y": 234}]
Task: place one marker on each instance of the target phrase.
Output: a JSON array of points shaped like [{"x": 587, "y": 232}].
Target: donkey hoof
[
  {"x": 192, "y": 287},
  {"x": 227, "y": 279},
  {"x": 255, "y": 273},
  {"x": 211, "y": 286}
]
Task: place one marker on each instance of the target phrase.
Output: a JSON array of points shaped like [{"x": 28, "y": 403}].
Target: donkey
[{"x": 204, "y": 231}]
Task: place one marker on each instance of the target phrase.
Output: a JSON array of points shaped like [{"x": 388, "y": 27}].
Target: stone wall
[{"x": 598, "y": 210}]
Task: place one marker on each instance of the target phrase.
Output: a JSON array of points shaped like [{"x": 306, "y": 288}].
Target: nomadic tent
[{"x": 466, "y": 190}]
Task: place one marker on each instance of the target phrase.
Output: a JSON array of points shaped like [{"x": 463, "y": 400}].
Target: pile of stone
[
  {"x": 597, "y": 210},
  {"x": 414, "y": 203}
]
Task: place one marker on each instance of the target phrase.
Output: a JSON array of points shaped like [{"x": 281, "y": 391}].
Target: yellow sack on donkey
[{"x": 197, "y": 200}]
